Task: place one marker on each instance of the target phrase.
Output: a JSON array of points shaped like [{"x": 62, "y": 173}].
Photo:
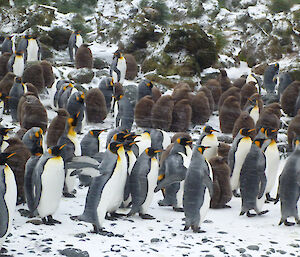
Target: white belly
[
  {"x": 240, "y": 155},
  {"x": 179, "y": 195},
  {"x": 212, "y": 141},
  {"x": 18, "y": 66},
  {"x": 116, "y": 111},
  {"x": 143, "y": 142},
  {"x": 1, "y": 109},
  {"x": 32, "y": 51},
  {"x": 152, "y": 183},
  {"x": 52, "y": 186},
  {"x": 79, "y": 40},
  {"x": 255, "y": 114},
  {"x": 122, "y": 68},
  {"x": 10, "y": 197},
  {"x": 166, "y": 139},
  {"x": 272, "y": 164},
  {"x": 4, "y": 144},
  {"x": 132, "y": 160},
  {"x": 260, "y": 202},
  {"x": 76, "y": 143}
]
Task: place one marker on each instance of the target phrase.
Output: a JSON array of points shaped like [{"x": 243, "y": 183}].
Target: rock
[
  {"x": 80, "y": 235},
  {"x": 281, "y": 251},
  {"x": 253, "y": 247},
  {"x": 60, "y": 38},
  {"x": 73, "y": 252},
  {"x": 241, "y": 250},
  {"x": 155, "y": 240},
  {"x": 81, "y": 76},
  {"x": 100, "y": 63}
]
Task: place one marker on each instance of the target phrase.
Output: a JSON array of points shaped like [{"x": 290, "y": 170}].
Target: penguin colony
[{"x": 193, "y": 177}]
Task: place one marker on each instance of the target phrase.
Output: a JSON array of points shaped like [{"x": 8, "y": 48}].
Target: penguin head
[
  {"x": 201, "y": 148},
  {"x": 5, "y": 156},
  {"x": 149, "y": 84},
  {"x": 246, "y": 132},
  {"x": 296, "y": 141},
  {"x": 72, "y": 121},
  {"x": 96, "y": 132},
  {"x": 223, "y": 73},
  {"x": 56, "y": 150},
  {"x": 4, "y": 131},
  {"x": 19, "y": 53},
  {"x": 9, "y": 37},
  {"x": 27, "y": 36},
  {"x": 119, "y": 97},
  {"x": 38, "y": 133},
  {"x": 37, "y": 150},
  {"x": 3, "y": 96},
  {"x": 18, "y": 80},
  {"x": 129, "y": 144},
  {"x": 117, "y": 54},
  {"x": 270, "y": 133},
  {"x": 151, "y": 152},
  {"x": 114, "y": 147},
  {"x": 120, "y": 137},
  {"x": 259, "y": 141},
  {"x": 111, "y": 82},
  {"x": 184, "y": 141},
  {"x": 209, "y": 129},
  {"x": 80, "y": 97}
]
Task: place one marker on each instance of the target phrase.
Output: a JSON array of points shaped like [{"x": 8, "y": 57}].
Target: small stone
[
  {"x": 295, "y": 245},
  {"x": 273, "y": 242},
  {"x": 174, "y": 234},
  {"x": 80, "y": 235},
  {"x": 153, "y": 250},
  {"x": 73, "y": 252},
  {"x": 253, "y": 247},
  {"x": 47, "y": 240},
  {"x": 207, "y": 221},
  {"x": 155, "y": 240},
  {"x": 281, "y": 251},
  {"x": 47, "y": 250},
  {"x": 222, "y": 232},
  {"x": 209, "y": 255},
  {"x": 241, "y": 250}
]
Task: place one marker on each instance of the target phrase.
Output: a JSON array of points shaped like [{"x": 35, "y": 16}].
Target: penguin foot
[
  {"x": 197, "y": 230},
  {"x": 111, "y": 218},
  {"x": 250, "y": 215},
  {"x": 163, "y": 203},
  {"x": 146, "y": 216},
  {"x": 75, "y": 218},
  {"x": 3, "y": 250},
  {"x": 53, "y": 221},
  {"x": 26, "y": 213},
  {"x": 185, "y": 228},
  {"x": 287, "y": 223},
  {"x": 45, "y": 221},
  {"x": 101, "y": 231},
  {"x": 68, "y": 195},
  {"x": 236, "y": 194},
  {"x": 269, "y": 198},
  {"x": 117, "y": 215},
  {"x": 177, "y": 209},
  {"x": 242, "y": 213},
  {"x": 263, "y": 212},
  {"x": 227, "y": 206}
]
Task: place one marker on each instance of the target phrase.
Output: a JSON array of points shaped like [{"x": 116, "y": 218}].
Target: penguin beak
[
  {"x": 190, "y": 141},
  {"x": 119, "y": 145},
  {"x": 127, "y": 135},
  {"x": 250, "y": 130},
  {"x": 62, "y": 146},
  {"x": 133, "y": 143},
  {"x": 274, "y": 130},
  {"x": 157, "y": 151},
  {"x": 12, "y": 154},
  {"x": 215, "y": 130}
]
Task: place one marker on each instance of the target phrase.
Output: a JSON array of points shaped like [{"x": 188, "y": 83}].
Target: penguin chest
[
  {"x": 52, "y": 180},
  {"x": 32, "y": 50},
  {"x": 212, "y": 141},
  {"x": 131, "y": 161},
  {"x": 1, "y": 108},
  {"x": 143, "y": 144},
  {"x": 186, "y": 160},
  {"x": 272, "y": 163},
  {"x": 152, "y": 183},
  {"x": 121, "y": 66},
  {"x": 179, "y": 195},
  {"x": 239, "y": 158},
  {"x": 79, "y": 41},
  {"x": 18, "y": 66},
  {"x": 10, "y": 196},
  {"x": 116, "y": 111},
  {"x": 75, "y": 141},
  {"x": 166, "y": 139},
  {"x": 254, "y": 114}
]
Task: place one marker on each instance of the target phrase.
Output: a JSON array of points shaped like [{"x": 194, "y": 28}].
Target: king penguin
[
  {"x": 118, "y": 67},
  {"x": 8, "y": 197},
  {"x": 90, "y": 143},
  {"x": 269, "y": 74},
  {"x": 143, "y": 180},
  {"x": 198, "y": 190},
  {"x": 16, "y": 63},
  {"x": 48, "y": 182},
  {"x": 106, "y": 86},
  {"x": 106, "y": 191},
  {"x": 8, "y": 45},
  {"x": 31, "y": 47},
  {"x": 207, "y": 138},
  {"x": 288, "y": 188},
  {"x": 4, "y": 137},
  {"x": 144, "y": 89},
  {"x": 33, "y": 138},
  {"x": 75, "y": 41},
  {"x": 240, "y": 147},
  {"x": 76, "y": 105}
]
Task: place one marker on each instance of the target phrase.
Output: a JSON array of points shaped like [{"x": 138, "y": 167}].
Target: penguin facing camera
[
  {"x": 75, "y": 41},
  {"x": 118, "y": 67}
]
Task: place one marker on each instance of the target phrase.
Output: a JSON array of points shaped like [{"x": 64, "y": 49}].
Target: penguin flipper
[
  {"x": 4, "y": 217},
  {"x": 263, "y": 183},
  {"x": 138, "y": 189},
  {"x": 209, "y": 184},
  {"x": 37, "y": 183}
]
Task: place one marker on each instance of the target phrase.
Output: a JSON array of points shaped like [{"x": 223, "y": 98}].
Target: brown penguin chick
[
  {"x": 247, "y": 90},
  {"x": 34, "y": 75},
  {"x": 215, "y": 87},
  {"x": 200, "y": 109},
  {"x": 275, "y": 108},
  {"x": 224, "y": 81},
  {"x": 156, "y": 94},
  {"x": 17, "y": 163},
  {"x": 95, "y": 103},
  {"x": 244, "y": 121},
  {"x": 21, "y": 101},
  {"x": 268, "y": 119},
  {"x": 179, "y": 135},
  {"x": 84, "y": 57},
  {"x": 32, "y": 89},
  {"x": 57, "y": 127},
  {"x": 252, "y": 99},
  {"x": 132, "y": 68},
  {"x": 233, "y": 91},
  {"x": 33, "y": 113},
  {"x": 293, "y": 129},
  {"x": 118, "y": 89},
  {"x": 161, "y": 114},
  {"x": 5, "y": 85},
  {"x": 221, "y": 183},
  {"x": 223, "y": 150},
  {"x": 49, "y": 77},
  {"x": 142, "y": 112},
  {"x": 180, "y": 93},
  {"x": 289, "y": 98},
  {"x": 209, "y": 98},
  {"x": 183, "y": 85},
  {"x": 182, "y": 114},
  {"x": 240, "y": 82},
  {"x": 3, "y": 64},
  {"x": 20, "y": 133},
  {"x": 229, "y": 113}
]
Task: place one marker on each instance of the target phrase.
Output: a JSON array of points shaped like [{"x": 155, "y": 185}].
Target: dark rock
[
  {"x": 47, "y": 250},
  {"x": 241, "y": 250},
  {"x": 80, "y": 235},
  {"x": 281, "y": 251},
  {"x": 155, "y": 240},
  {"x": 81, "y": 76},
  {"x": 295, "y": 245},
  {"x": 73, "y": 252},
  {"x": 253, "y": 247},
  {"x": 100, "y": 64},
  {"x": 60, "y": 38},
  {"x": 222, "y": 232}
]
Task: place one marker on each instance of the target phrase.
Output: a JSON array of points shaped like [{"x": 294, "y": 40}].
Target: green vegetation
[
  {"x": 277, "y": 6},
  {"x": 163, "y": 11},
  {"x": 78, "y": 23}
]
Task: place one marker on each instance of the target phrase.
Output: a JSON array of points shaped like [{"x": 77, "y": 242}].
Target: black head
[
  {"x": 27, "y": 36},
  {"x": 208, "y": 129},
  {"x": 131, "y": 136},
  {"x": 201, "y": 148},
  {"x": 56, "y": 150},
  {"x": 4, "y": 157},
  {"x": 37, "y": 150},
  {"x": 80, "y": 97},
  {"x": 114, "y": 147},
  {"x": 117, "y": 54},
  {"x": 246, "y": 132},
  {"x": 120, "y": 137},
  {"x": 96, "y": 132},
  {"x": 270, "y": 132},
  {"x": 128, "y": 145},
  {"x": 184, "y": 141},
  {"x": 151, "y": 151},
  {"x": 149, "y": 84},
  {"x": 4, "y": 131}
]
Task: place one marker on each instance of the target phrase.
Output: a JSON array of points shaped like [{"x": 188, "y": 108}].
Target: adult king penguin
[
  {"x": 48, "y": 181},
  {"x": 198, "y": 190},
  {"x": 143, "y": 180},
  {"x": 8, "y": 45},
  {"x": 209, "y": 139},
  {"x": 8, "y": 197},
  {"x": 75, "y": 41},
  {"x": 118, "y": 67},
  {"x": 16, "y": 63},
  {"x": 31, "y": 47},
  {"x": 90, "y": 143}
]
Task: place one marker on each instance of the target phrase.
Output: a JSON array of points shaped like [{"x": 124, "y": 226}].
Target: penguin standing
[
  {"x": 198, "y": 190},
  {"x": 48, "y": 181},
  {"x": 284, "y": 80},
  {"x": 288, "y": 188},
  {"x": 34, "y": 74},
  {"x": 240, "y": 148},
  {"x": 64, "y": 94},
  {"x": 90, "y": 143},
  {"x": 143, "y": 180},
  {"x": 269, "y": 74},
  {"x": 143, "y": 142},
  {"x": 3, "y": 137},
  {"x": 160, "y": 139},
  {"x": 181, "y": 116},
  {"x": 224, "y": 80},
  {"x": 16, "y": 64},
  {"x": 233, "y": 91},
  {"x": 144, "y": 89},
  {"x": 8, "y": 45},
  {"x": 221, "y": 181},
  {"x": 200, "y": 109},
  {"x": 207, "y": 138},
  {"x": 75, "y": 41},
  {"x": 18, "y": 89},
  {"x": 210, "y": 98},
  {"x": 106, "y": 86},
  {"x": 3, "y": 64},
  {"x": 118, "y": 67},
  {"x": 124, "y": 114},
  {"x": 243, "y": 121},
  {"x": 5, "y": 85},
  {"x": 253, "y": 108},
  {"x": 161, "y": 114},
  {"x": 293, "y": 129},
  {"x": 76, "y": 105},
  {"x": 48, "y": 75},
  {"x": 142, "y": 112},
  {"x": 96, "y": 106},
  {"x": 58, "y": 89},
  {"x": 106, "y": 192},
  {"x": 8, "y": 197},
  {"x": 253, "y": 180},
  {"x": 271, "y": 152},
  {"x": 84, "y": 57},
  {"x": 289, "y": 98},
  {"x": 33, "y": 138},
  {"x": 31, "y": 47},
  {"x": 247, "y": 91},
  {"x": 215, "y": 87}
]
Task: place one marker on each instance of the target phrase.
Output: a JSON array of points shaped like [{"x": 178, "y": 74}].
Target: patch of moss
[
  {"x": 295, "y": 74},
  {"x": 220, "y": 39},
  {"x": 4, "y": 3},
  {"x": 274, "y": 49},
  {"x": 60, "y": 37},
  {"x": 75, "y": 6},
  {"x": 78, "y": 23},
  {"x": 164, "y": 14},
  {"x": 194, "y": 10},
  {"x": 277, "y": 6}
]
